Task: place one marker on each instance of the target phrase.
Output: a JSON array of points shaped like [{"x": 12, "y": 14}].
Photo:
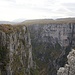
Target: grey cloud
[
  {"x": 8, "y": 0},
  {"x": 69, "y": 6},
  {"x": 13, "y": 1},
  {"x": 62, "y": 10},
  {"x": 46, "y": 8}
]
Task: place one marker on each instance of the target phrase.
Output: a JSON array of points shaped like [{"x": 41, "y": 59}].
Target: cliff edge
[
  {"x": 15, "y": 50},
  {"x": 68, "y": 69}
]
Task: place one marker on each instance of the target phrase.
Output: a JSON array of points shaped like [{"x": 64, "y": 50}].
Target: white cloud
[{"x": 35, "y": 9}]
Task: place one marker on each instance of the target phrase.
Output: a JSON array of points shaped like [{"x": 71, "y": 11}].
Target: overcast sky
[{"x": 36, "y": 9}]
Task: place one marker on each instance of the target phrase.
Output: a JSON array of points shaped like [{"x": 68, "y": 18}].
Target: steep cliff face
[
  {"x": 15, "y": 50},
  {"x": 51, "y": 44},
  {"x": 68, "y": 69}
]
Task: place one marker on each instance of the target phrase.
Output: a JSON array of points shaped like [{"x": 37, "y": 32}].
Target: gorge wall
[
  {"x": 15, "y": 50},
  {"x": 51, "y": 43}
]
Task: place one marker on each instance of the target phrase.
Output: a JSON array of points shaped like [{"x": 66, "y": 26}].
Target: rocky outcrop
[
  {"x": 68, "y": 69},
  {"x": 15, "y": 50}
]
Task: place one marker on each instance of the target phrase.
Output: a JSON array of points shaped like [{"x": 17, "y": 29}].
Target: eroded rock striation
[
  {"x": 15, "y": 50},
  {"x": 68, "y": 69}
]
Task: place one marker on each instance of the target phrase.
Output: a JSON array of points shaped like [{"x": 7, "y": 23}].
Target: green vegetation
[
  {"x": 34, "y": 71},
  {"x": 43, "y": 53},
  {"x": 3, "y": 58}
]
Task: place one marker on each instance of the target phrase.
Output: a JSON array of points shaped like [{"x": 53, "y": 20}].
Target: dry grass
[{"x": 8, "y": 28}]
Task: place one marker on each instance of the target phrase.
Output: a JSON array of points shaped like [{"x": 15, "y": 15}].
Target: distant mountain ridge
[
  {"x": 6, "y": 22},
  {"x": 38, "y": 21},
  {"x": 47, "y": 21}
]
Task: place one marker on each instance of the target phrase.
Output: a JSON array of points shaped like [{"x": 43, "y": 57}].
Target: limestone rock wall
[
  {"x": 51, "y": 44},
  {"x": 60, "y": 32},
  {"x": 15, "y": 50},
  {"x": 68, "y": 69}
]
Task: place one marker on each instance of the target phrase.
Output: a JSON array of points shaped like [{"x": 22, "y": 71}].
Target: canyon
[
  {"x": 51, "y": 40},
  {"x": 36, "y": 47}
]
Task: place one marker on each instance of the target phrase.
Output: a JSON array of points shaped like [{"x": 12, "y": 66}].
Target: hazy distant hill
[
  {"x": 66, "y": 19},
  {"x": 6, "y": 22},
  {"x": 47, "y": 21},
  {"x": 19, "y": 20},
  {"x": 37, "y": 21}
]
